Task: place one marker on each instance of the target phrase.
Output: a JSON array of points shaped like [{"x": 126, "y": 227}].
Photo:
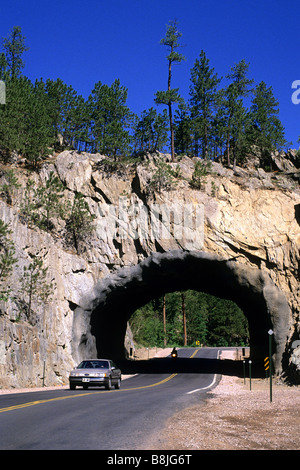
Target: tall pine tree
[
  {"x": 203, "y": 100},
  {"x": 14, "y": 47},
  {"x": 171, "y": 96},
  {"x": 110, "y": 119},
  {"x": 236, "y": 118},
  {"x": 267, "y": 131}
]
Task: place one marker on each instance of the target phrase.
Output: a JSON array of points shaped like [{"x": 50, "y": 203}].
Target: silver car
[{"x": 96, "y": 372}]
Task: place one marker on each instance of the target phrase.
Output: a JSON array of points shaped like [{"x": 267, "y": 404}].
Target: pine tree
[
  {"x": 163, "y": 178},
  {"x": 233, "y": 110},
  {"x": 110, "y": 119},
  {"x": 7, "y": 260},
  {"x": 150, "y": 131},
  {"x": 202, "y": 169},
  {"x": 183, "y": 130},
  {"x": 68, "y": 114},
  {"x": 25, "y": 125},
  {"x": 10, "y": 185},
  {"x": 218, "y": 133},
  {"x": 203, "y": 100},
  {"x": 14, "y": 47},
  {"x": 196, "y": 316},
  {"x": 49, "y": 201},
  {"x": 79, "y": 224},
  {"x": 41, "y": 203},
  {"x": 3, "y": 66},
  {"x": 39, "y": 135},
  {"x": 171, "y": 96},
  {"x": 77, "y": 132},
  {"x": 12, "y": 116},
  {"x": 34, "y": 285},
  {"x": 267, "y": 130}
]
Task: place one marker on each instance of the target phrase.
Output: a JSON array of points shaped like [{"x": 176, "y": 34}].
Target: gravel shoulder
[{"x": 233, "y": 417}]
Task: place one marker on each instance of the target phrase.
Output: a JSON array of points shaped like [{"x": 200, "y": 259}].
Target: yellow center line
[
  {"x": 151, "y": 385},
  {"x": 38, "y": 402},
  {"x": 194, "y": 353}
]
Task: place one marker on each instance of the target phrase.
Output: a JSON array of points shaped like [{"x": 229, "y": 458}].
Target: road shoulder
[{"x": 233, "y": 417}]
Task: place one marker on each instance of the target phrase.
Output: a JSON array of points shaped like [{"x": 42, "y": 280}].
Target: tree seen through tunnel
[{"x": 189, "y": 318}]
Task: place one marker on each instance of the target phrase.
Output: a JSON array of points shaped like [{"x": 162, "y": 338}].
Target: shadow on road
[{"x": 189, "y": 366}]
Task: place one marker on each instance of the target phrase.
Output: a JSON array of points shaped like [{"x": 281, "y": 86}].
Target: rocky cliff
[{"x": 248, "y": 219}]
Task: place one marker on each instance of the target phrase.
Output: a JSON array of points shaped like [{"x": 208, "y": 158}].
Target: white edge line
[{"x": 208, "y": 386}]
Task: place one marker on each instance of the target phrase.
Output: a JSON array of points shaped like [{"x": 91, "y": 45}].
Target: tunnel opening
[
  {"x": 121, "y": 294},
  {"x": 188, "y": 319}
]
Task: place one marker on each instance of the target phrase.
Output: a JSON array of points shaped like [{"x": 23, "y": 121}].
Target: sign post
[
  {"x": 270, "y": 332},
  {"x": 250, "y": 362},
  {"x": 44, "y": 368}
]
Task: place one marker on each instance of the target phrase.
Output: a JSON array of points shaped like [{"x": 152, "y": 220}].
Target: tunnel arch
[{"x": 116, "y": 297}]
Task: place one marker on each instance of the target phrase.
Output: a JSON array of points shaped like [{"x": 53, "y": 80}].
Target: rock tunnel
[{"x": 115, "y": 298}]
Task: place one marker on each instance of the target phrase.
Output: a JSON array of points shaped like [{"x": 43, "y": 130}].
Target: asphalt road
[{"x": 108, "y": 420}]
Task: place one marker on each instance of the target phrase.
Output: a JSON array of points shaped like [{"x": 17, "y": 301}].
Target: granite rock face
[{"x": 241, "y": 228}]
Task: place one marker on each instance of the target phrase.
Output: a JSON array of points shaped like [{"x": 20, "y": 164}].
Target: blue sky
[{"x": 83, "y": 42}]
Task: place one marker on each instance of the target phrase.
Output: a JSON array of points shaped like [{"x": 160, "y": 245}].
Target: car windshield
[{"x": 93, "y": 365}]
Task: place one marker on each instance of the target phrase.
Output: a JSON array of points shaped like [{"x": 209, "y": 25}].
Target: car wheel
[
  {"x": 118, "y": 384},
  {"x": 108, "y": 385},
  {"x": 72, "y": 387}
]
